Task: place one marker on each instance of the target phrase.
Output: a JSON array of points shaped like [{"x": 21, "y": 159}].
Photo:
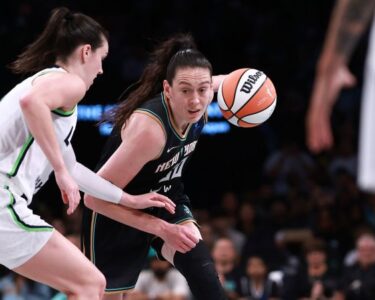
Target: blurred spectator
[
  {"x": 256, "y": 285},
  {"x": 223, "y": 228},
  {"x": 358, "y": 282},
  {"x": 345, "y": 158},
  {"x": 160, "y": 282},
  {"x": 246, "y": 220},
  {"x": 230, "y": 204},
  {"x": 289, "y": 167},
  {"x": 225, "y": 258},
  {"x": 314, "y": 280},
  {"x": 16, "y": 287}
]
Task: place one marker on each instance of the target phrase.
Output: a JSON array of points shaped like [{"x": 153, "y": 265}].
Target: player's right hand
[
  {"x": 69, "y": 189},
  {"x": 179, "y": 237},
  {"x": 152, "y": 199}
]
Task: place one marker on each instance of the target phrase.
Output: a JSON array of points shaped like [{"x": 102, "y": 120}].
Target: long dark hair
[
  {"x": 65, "y": 30},
  {"x": 175, "y": 52}
]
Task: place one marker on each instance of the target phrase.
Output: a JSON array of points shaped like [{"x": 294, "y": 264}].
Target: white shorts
[
  {"x": 366, "y": 166},
  {"x": 22, "y": 234}
]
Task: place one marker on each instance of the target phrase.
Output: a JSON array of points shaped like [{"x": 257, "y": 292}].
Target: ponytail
[
  {"x": 64, "y": 32},
  {"x": 151, "y": 80}
]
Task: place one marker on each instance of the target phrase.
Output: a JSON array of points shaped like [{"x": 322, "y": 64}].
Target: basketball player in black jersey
[{"x": 156, "y": 131}]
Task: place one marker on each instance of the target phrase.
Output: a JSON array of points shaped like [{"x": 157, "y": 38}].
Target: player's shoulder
[
  {"x": 67, "y": 83},
  {"x": 154, "y": 106}
]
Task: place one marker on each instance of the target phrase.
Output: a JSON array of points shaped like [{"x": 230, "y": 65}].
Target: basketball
[{"x": 246, "y": 97}]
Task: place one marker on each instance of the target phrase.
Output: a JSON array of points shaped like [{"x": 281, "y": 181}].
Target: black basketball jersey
[{"x": 162, "y": 175}]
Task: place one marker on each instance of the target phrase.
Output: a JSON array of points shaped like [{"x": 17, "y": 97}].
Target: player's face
[
  {"x": 93, "y": 62},
  {"x": 189, "y": 94}
]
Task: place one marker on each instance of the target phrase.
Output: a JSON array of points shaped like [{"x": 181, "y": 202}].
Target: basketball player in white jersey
[
  {"x": 38, "y": 118},
  {"x": 349, "y": 20}
]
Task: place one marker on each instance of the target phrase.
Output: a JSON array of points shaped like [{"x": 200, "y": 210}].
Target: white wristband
[
  {"x": 89, "y": 182},
  {"x": 94, "y": 185}
]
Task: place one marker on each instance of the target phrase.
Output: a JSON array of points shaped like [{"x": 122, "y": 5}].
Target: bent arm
[
  {"x": 128, "y": 216},
  {"x": 49, "y": 92},
  {"x": 143, "y": 140},
  {"x": 349, "y": 20}
]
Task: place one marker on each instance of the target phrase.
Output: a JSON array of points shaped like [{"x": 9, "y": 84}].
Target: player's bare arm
[{"x": 356, "y": 16}]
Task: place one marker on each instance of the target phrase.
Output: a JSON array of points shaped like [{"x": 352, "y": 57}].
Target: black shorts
[{"x": 119, "y": 251}]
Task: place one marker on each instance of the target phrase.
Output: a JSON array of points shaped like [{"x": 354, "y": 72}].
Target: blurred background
[{"x": 259, "y": 187}]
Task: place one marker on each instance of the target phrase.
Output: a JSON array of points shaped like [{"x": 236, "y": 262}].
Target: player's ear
[
  {"x": 85, "y": 52},
  {"x": 166, "y": 88}
]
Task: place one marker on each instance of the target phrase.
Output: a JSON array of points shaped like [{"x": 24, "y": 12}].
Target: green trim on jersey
[
  {"x": 114, "y": 290},
  {"x": 20, "y": 222},
  {"x": 26, "y": 145},
  {"x": 181, "y": 138},
  {"x": 63, "y": 113}
]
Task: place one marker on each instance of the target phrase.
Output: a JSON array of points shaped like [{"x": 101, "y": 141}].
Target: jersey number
[
  {"x": 175, "y": 172},
  {"x": 67, "y": 139}
]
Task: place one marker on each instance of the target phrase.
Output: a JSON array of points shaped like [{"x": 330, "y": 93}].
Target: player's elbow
[{"x": 26, "y": 102}]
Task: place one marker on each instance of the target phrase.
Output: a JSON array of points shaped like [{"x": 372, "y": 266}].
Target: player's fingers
[
  {"x": 163, "y": 198},
  {"x": 192, "y": 237},
  {"x": 157, "y": 203},
  {"x": 64, "y": 197},
  {"x": 183, "y": 248},
  {"x": 74, "y": 198},
  {"x": 179, "y": 249},
  {"x": 189, "y": 243}
]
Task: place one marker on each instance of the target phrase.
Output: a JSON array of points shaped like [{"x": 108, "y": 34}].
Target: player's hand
[
  {"x": 216, "y": 81},
  {"x": 69, "y": 189},
  {"x": 148, "y": 200},
  {"x": 327, "y": 86},
  {"x": 179, "y": 237}
]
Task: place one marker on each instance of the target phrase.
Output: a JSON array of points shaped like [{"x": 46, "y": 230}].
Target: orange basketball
[{"x": 247, "y": 97}]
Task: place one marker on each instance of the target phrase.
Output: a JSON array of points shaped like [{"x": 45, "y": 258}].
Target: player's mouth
[{"x": 193, "y": 111}]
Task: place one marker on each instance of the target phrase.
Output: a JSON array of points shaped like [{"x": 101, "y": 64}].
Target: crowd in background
[{"x": 290, "y": 225}]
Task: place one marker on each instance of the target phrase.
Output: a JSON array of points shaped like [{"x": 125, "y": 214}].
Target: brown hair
[
  {"x": 176, "y": 52},
  {"x": 65, "y": 30}
]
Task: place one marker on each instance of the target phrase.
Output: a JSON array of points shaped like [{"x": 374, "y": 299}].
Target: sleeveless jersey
[
  {"x": 162, "y": 175},
  {"x": 23, "y": 164}
]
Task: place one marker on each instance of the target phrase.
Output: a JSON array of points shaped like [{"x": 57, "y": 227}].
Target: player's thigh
[
  {"x": 61, "y": 265},
  {"x": 118, "y": 296}
]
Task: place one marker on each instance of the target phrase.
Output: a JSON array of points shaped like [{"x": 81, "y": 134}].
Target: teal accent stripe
[
  {"x": 26, "y": 145},
  {"x": 20, "y": 222},
  {"x": 63, "y": 113},
  {"x": 185, "y": 219},
  {"x": 120, "y": 289},
  {"x": 169, "y": 121}
]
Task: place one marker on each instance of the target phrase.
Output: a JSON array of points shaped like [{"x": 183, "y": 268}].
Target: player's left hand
[
  {"x": 148, "y": 200},
  {"x": 327, "y": 86}
]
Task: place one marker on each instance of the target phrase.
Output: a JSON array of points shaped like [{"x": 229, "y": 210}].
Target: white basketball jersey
[{"x": 23, "y": 165}]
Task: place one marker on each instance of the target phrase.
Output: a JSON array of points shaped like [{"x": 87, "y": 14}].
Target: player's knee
[
  {"x": 197, "y": 258},
  {"x": 199, "y": 270},
  {"x": 91, "y": 286},
  {"x": 98, "y": 284}
]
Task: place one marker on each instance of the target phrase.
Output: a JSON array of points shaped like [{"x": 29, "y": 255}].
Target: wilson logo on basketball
[
  {"x": 250, "y": 81},
  {"x": 246, "y": 97}
]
